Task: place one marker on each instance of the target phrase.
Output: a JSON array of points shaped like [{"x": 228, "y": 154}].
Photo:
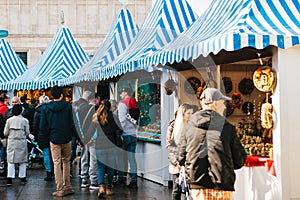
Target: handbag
[{"x": 4, "y": 142}]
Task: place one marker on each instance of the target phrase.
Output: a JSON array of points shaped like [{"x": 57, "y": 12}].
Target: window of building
[{"x": 23, "y": 56}]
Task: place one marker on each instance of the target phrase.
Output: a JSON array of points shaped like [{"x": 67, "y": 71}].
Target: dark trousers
[{"x": 176, "y": 192}]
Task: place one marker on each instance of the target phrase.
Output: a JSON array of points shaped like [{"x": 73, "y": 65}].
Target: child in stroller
[{"x": 35, "y": 154}]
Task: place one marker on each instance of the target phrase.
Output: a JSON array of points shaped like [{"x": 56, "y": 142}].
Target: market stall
[
  {"x": 242, "y": 30},
  {"x": 159, "y": 28},
  {"x": 166, "y": 20}
]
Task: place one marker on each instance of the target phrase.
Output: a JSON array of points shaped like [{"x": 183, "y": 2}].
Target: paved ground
[{"x": 38, "y": 189}]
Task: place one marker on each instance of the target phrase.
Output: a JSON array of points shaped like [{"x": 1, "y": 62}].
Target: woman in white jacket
[{"x": 16, "y": 130}]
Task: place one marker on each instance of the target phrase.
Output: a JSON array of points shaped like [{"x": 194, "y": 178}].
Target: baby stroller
[{"x": 35, "y": 154}]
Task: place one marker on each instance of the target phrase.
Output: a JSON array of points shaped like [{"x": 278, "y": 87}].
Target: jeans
[
  {"x": 2, "y": 153},
  {"x": 48, "y": 160},
  {"x": 61, "y": 154},
  {"x": 105, "y": 160},
  {"x": 129, "y": 145},
  {"x": 73, "y": 150},
  {"x": 3, "y": 158}
]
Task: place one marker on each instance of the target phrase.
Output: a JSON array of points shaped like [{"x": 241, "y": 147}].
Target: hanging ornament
[
  {"x": 170, "y": 85},
  {"x": 266, "y": 114},
  {"x": 191, "y": 85},
  {"x": 236, "y": 100},
  {"x": 264, "y": 79},
  {"x": 248, "y": 108},
  {"x": 246, "y": 86},
  {"x": 229, "y": 108},
  {"x": 227, "y": 84}
]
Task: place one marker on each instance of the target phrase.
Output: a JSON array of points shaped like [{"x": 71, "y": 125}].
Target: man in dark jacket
[
  {"x": 43, "y": 140},
  {"x": 210, "y": 149},
  {"x": 56, "y": 121},
  {"x": 88, "y": 161}
]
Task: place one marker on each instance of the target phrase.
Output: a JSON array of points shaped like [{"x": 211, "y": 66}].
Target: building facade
[{"x": 32, "y": 23}]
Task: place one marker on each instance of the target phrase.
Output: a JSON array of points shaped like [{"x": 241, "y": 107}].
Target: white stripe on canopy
[
  {"x": 166, "y": 20},
  {"x": 232, "y": 25},
  {"x": 11, "y": 65},
  {"x": 121, "y": 34},
  {"x": 62, "y": 58}
]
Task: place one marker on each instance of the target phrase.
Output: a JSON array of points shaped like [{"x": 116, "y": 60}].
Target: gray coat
[{"x": 16, "y": 130}]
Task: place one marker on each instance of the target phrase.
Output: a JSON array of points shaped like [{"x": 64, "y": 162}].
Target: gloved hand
[{"x": 31, "y": 136}]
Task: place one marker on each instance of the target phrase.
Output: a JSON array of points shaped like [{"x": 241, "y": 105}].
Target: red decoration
[{"x": 256, "y": 161}]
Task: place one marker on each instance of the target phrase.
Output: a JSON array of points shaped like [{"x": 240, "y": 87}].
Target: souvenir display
[
  {"x": 266, "y": 115},
  {"x": 149, "y": 104},
  {"x": 255, "y": 146},
  {"x": 191, "y": 85},
  {"x": 236, "y": 100},
  {"x": 227, "y": 84},
  {"x": 246, "y": 86},
  {"x": 251, "y": 137},
  {"x": 170, "y": 86},
  {"x": 229, "y": 108},
  {"x": 248, "y": 108},
  {"x": 264, "y": 79}
]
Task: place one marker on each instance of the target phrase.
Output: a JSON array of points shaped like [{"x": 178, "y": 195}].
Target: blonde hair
[
  {"x": 101, "y": 114},
  {"x": 180, "y": 121}
]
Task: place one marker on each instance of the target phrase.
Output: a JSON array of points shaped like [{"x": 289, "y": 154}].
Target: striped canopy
[
  {"x": 166, "y": 20},
  {"x": 232, "y": 25},
  {"x": 121, "y": 34},
  {"x": 11, "y": 66},
  {"x": 62, "y": 58}
]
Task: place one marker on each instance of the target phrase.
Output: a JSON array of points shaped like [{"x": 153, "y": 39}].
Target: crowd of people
[
  {"x": 101, "y": 129},
  {"x": 201, "y": 143}
]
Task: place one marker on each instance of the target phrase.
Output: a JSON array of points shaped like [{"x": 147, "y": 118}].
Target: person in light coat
[{"x": 17, "y": 130}]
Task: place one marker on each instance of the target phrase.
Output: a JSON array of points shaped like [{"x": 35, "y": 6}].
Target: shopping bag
[{"x": 183, "y": 185}]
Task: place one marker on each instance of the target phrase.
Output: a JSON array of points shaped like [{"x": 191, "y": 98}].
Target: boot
[
  {"x": 23, "y": 181},
  {"x": 48, "y": 177},
  {"x": 101, "y": 191},
  {"x": 9, "y": 181},
  {"x": 109, "y": 191}
]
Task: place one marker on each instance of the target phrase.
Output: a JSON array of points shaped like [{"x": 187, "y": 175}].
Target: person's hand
[{"x": 31, "y": 136}]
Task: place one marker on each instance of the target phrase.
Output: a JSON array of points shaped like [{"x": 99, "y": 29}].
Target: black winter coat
[
  {"x": 43, "y": 140},
  {"x": 57, "y": 122},
  {"x": 85, "y": 115},
  {"x": 210, "y": 150},
  {"x": 107, "y": 134}
]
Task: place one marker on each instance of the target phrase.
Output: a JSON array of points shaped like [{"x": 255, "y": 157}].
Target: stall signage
[{"x": 3, "y": 33}]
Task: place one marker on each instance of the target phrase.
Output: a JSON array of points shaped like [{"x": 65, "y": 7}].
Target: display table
[{"x": 254, "y": 181}]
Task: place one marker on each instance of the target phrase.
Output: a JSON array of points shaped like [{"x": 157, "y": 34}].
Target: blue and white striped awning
[
  {"x": 121, "y": 34},
  {"x": 62, "y": 58},
  {"x": 232, "y": 25},
  {"x": 11, "y": 65},
  {"x": 166, "y": 20}
]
